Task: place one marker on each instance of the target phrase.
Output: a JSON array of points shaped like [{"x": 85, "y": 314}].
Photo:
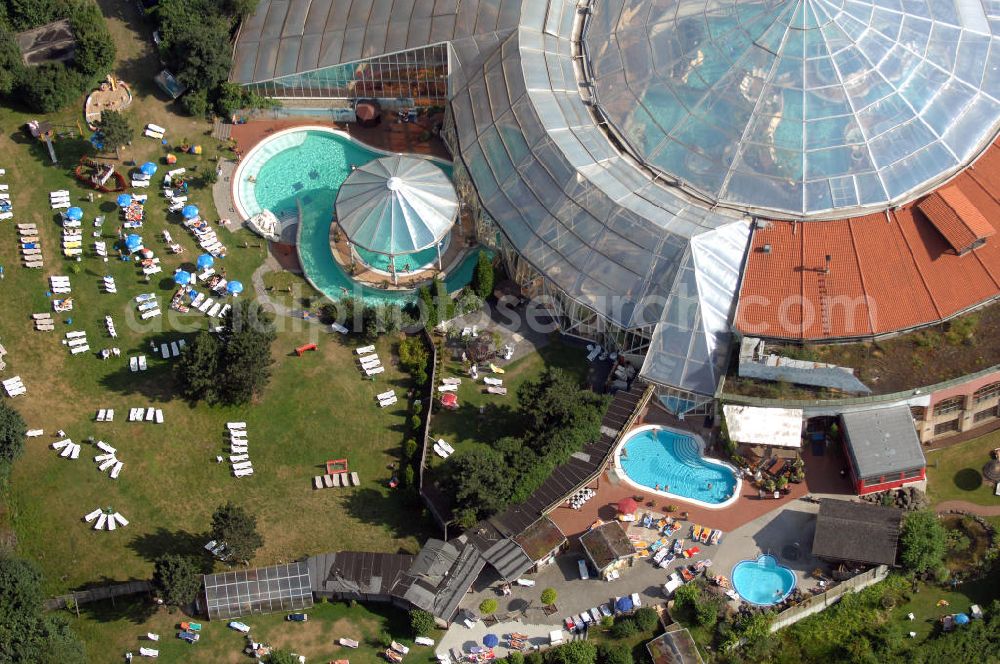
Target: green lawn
[
  {"x": 926, "y": 612},
  {"x": 110, "y": 630},
  {"x": 481, "y": 417},
  {"x": 955, "y": 473},
  {"x": 317, "y": 407}
]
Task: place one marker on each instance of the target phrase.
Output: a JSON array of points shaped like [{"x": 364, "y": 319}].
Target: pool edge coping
[{"x": 729, "y": 502}]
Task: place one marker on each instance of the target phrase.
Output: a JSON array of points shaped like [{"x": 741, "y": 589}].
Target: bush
[
  {"x": 533, "y": 657},
  {"x": 50, "y": 86},
  {"x": 195, "y": 103},
  {"x": 613, "y": 654},
  {"x": 607, "y": 622},
  {"x": 549, "y": 596},
  {"x": 515, "y": 658},
  {"x": 177, "y": 579},
  {"x": 416, "y": 422},
  {"x": 482, "y": 276},
  {"x": 488, "y": 606},
  {"x": 574, "y": 652},
  {"x": 421, "y": 622},
  {"x": 624, "y": 628},
  {"x": 409, "y": 450},
  {"x": 383, "y": 639},
  {"x": 409, "y": 477},
  {"x": 646, "y": 619},
  {"x": 923, "y": 541}
]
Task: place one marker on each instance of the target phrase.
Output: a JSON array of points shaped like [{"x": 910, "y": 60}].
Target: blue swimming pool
[
  {"x": 763, "y": 581},
  {"x": 671, "y": 463},
  {"x": 299, "y": 172}
]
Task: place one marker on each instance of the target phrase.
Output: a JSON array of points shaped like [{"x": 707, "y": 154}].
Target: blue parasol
[
  {"x": 205, "y": 261},
  {"x": 124, "y": 200},
  {"x": 133, "y": 242},
  {"x": 190, "y": 211},
  {"x": 182, "y": 277},
  {"x": 74, "y": 213},
  {"x": 491, "y": 640},
  {"x": 234, "y": 287},
  {"x": 148, "y": 168},
  {"x": 961, "y": 619}
]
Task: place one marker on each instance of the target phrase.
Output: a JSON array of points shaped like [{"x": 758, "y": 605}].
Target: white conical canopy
[{"x": 397, "y": 205}]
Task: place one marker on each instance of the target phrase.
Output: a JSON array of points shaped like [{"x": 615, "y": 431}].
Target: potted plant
[
  {"x": 781, "y": 484},
  {"x": 769, "y": 485}
]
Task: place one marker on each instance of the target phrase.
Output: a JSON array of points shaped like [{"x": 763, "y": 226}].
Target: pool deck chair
[
  {"x": 318, "y": 482},
  {"x": 89, "y": 518},
  {"x": 355, "y": 480},
  {"x": 328, "y": 481}
]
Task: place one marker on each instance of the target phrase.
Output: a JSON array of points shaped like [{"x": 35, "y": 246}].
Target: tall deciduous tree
[
  {"x": 12, "y": 430},
  {"x": 574, "y": 652},
  {"x": 923, "y": 541},
  {"x": 116, "y": 130},
  {"x": 197, "y": 367},
  {"x": 177, "y": 579},
  {"x": 27, "y": 634},
  {"x": 238, "y": 529}
]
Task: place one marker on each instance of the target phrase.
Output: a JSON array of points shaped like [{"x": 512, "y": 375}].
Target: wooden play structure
[
  {"x": 336, "y": 466},
  {"x": 102, "y": 177},
  {"x": 43, "y": 131}
]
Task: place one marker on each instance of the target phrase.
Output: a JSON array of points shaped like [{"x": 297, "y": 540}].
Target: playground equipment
[
  {"x": 335, "y": 466},
  {"x": 43, "y": 131},
  {"x": 101, "y": 177},
  {"x": 301, "y": 350}
]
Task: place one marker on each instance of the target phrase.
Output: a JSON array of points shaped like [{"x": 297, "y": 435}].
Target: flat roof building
[
  {"x": 883, "y": 448},
  {"x": 857, "y": 532}
]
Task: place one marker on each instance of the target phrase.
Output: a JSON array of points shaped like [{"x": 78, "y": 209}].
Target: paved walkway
[
  {"x": 460, "y": 639},
  {"x": 964, "y": 506},
  {"x": 222, "y": 192}
]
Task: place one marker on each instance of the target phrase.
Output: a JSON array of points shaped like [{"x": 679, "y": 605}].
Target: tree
[
  {"x": 49, "y": 87},
  {"x": 574, "y": 652},
  {"x": 923, "y": 541},
  {"x": 488, "y": 606},
  {"x": 197, "y": 368},
  {"x": 115, "y": 130},
  {"x": 177, "y": 579},
  {"x": 27, "y": 634},
  {"x": 12, "y": 430},
  {"x": 25, "y": 14},
  {"x": 195, "y": 103},
  {"x": 549, "y": 596},
  {"x": 623, "y": 628},
  {"x": 421, "y": 622},
  {"x": 646, "y": 619},
  {"x": 614, "y": 654},
  {"x": 94, "y": 54},
  {"x": 281, "y": 657},
  {"x": 413, "y": 355},
  {"x": 238, "y": 529},
  {"x": 241, "y": 9},
  {"x": 482, "y": 276}
]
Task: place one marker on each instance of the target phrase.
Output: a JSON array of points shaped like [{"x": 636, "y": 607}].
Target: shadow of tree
[
  {"x": 156, "y": 384},
  {"x": 136, "y": 609},
  {"x": 394, "y": 510},
  {"x": 968, "y": 479},
  {"x": 180, "y": 542}
]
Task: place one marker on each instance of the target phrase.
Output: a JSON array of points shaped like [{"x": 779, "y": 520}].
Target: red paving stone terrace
[
  {"x": 822, "y": 477},
  {"x": 886, "y": 272}
]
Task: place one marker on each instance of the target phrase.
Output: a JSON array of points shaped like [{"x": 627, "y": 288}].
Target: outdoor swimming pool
[
  {"x": 763, "y": 581},
  {"x": 654, "y": 456},
  {"x": 299, "y": 172}
]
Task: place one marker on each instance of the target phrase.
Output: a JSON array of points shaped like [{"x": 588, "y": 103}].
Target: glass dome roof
[{"x": 799, "y": 107}]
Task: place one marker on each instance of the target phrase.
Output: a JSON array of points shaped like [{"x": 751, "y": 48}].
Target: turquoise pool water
[
  {"x": 673, "y": 461},
  {"x": 407, "y": 263},
  {"x": 300, "y": 172},
  {"x": 763, "y": 581}
]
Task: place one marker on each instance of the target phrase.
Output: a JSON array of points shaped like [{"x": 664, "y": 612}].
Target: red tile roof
[
  {"x": 960, "y": 222},
  {"x": 887, "y": 272}
]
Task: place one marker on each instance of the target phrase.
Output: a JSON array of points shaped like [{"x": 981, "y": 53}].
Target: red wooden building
[{"x": 882, "y": 448}]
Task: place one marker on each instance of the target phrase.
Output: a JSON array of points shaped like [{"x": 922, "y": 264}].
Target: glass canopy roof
[{"x": 799, "y": 107}]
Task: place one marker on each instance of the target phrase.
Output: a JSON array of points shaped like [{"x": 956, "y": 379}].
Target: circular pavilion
[{"x": 397, "y": 207}]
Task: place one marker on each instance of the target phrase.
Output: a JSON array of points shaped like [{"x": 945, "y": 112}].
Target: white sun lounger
[
  {"x": 246, "y": 472},
  {"x": 236, "y": 425},
  {"x": 238, "y": 449},
  {"x": 365, "y": 350},
  {"x": 110, "y": 415},
  {"x": 67, "y": 451},
  {"x": 203, "y": 307},
  {"x": 146, "y": 315},
  {"x": 355, "y": 480},
  {"x": 142, "y": 363},
  {"x": 103, "y": 457},
  {"x": 101, "y": 414},
  {"x": 214, "y": 311},
  {"x": 35, "y": 433},
  {"x": 174, "y": 349},
  {"x": 367, "y": 358},
  {"x": 383, "y": 403},
  {"x": 117, "y": 470},
  {"x": 495, "y": 382},
  {"x": 337, "y": 327},
  {"x": 101, "y": 520},
  {"x": 75, "y": 451},
  {"x": 451, "y": 381},
  {"x": 447, "y": 388},
  {"x": 79, "y": 349},
  {"x": 111, "y": 524},
  {"x": 240, "y": 465},
  {"x": 58, "y": 445},
  {"x": 149, "y": 652},
  {"x": 150, "y": 414},
  {"x": 73, "y": 343},
  {"x": 236, "y": 458},
  {"x": 385, "y": 395},
  {"x": 122, "y": 521},
  {"x": 162, "y": 130},
  {"x": 89, "y": 518},
  {"x": 76, "y": 334},
  {"x": 133, "y": 363},
  {"x": 375, "y": 370},
  {"x": 101, "y": 445},
  {"x": 60, "y": 204},
  {"x": 107, "y": 463},
  {"x": 159, "y": 416}
]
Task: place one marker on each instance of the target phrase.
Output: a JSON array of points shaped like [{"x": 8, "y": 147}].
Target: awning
[{"x": 774, "y": 427}]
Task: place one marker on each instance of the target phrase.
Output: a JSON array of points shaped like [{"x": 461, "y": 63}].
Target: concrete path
[
  {"x": 964, "y": 506},
  {"x": 460, "y": 639}
]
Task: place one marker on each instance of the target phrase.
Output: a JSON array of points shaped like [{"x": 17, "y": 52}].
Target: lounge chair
[
  {"x": 240, "y": 465},
  {"x": 150, "y": 414},
  {"x": 164, "y": 351},
  {"x": 159, "y": 416},
  {"x": 142, "y": 362},
  {"x": 235, "y": 458},
  {"x": 93, "y": 515},
  {"x": 318, "y": 482},
  {"x": 239, "y": 449},
  {"x": 243, "y": 473},
  {"x": 107, "y": 463},
  {"x": 365, "y": 350},
  {"x": 328, "y": 481},
  {"x": 101, "y": 414},
  {"x": 336, "y": 480},
  {"x": 149, "y": 652},
  {"x": 375, "y": 370},
  {"x": 133, "y": 363},
  {"x": 355, "y": 480},
  {"x": 75, "y": 451},
  {"x": 103, "y": 457},
  {"x": 102, "y": 519},
  {"x": 117, "y": 469},
  {"x": 174, "y": 349},
  {"x": 384, "y": 403},
  {"x": 146, "y": 315}
]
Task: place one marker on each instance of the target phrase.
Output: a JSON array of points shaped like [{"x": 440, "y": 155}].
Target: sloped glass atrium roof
[{"x": 799, "y": 107}]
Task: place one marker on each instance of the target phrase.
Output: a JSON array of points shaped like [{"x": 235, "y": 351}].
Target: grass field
[
  {"x": 955, "y": 473},
  {"x": 482, "y": 418},
  {"x": 926, "y": 612},
  {"x": 110, "y": 630},
  {"x": 316, "y": 407}
]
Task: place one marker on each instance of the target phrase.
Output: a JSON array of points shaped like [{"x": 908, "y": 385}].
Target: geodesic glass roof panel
[{"x": 799, "y": 107}]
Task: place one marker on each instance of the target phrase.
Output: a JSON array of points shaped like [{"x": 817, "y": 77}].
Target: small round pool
[
  {"x": 763, "y": 581},
  {"x": 671, "y": 463}
]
